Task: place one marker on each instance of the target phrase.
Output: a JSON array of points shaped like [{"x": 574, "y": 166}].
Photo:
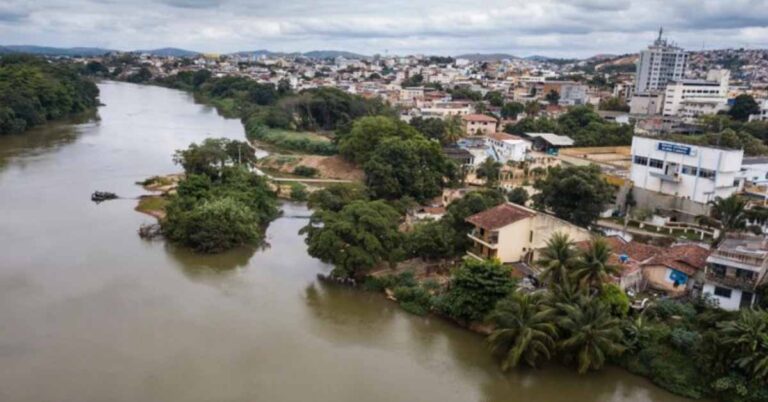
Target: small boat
[{"x": 99, "y": 196}]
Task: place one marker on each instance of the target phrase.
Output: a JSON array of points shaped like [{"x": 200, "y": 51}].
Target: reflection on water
[{"x": 90, "y": 312}]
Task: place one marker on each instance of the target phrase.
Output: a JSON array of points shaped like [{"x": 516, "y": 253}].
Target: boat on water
[{"x": 99, "y": 196}]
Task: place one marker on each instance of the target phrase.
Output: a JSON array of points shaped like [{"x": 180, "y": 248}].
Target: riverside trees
[
  {"x": 33, "y": 91},
  {"x": 219, "y": 204}
]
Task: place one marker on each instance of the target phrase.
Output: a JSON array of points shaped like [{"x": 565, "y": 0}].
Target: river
[{"x": 90, "y": 312}]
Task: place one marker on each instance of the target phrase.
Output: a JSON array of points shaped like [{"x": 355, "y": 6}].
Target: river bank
[{"x": 81, "y": 291}]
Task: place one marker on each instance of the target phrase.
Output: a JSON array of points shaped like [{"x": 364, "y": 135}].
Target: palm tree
[
  {"x": 731, "y": 212},
  {"x": 453, "y": 130},
  {"x": 557, "y": 259},
  {"x": 747, "y": 339},
  {"x": 526, "y": 330},
  {"x": 593, "y": 268},
  {"x": 590, "y": 333}
]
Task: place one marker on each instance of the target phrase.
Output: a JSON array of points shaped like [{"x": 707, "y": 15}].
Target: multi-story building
[
  {"x": 661, "y": 63},
  {"x": 735, "y": 269},
  {"x": 512, "y": 233},
  {"x": 570, "y": 92},
  {"x": 763, "y": 114},
  {"x": 478, "y": 124},
  {"x": 690, "y": 99},
  {"x": 691, "y": 172}
]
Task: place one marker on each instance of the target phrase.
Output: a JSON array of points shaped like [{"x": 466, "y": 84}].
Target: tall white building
[
  {"x": 690, "y": 99},
  {"x": 661, "y": 63},
  {"x": 691, "y": 172}
]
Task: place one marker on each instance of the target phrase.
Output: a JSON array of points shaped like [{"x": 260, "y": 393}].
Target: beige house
[
  {"x": 478, "y": 124},
  {"x": 512, "y": 233}
]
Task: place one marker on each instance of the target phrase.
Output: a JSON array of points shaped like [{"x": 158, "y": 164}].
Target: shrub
[
  {"x": 668, "y": 308},
  {"x": 305, "y": 171},
  {"x": 299, "y": 192}
]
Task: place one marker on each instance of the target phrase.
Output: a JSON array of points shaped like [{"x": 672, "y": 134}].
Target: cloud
[{"x": 553, "y": 27}]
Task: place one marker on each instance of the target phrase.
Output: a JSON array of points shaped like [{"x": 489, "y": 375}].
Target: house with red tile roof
[
  {"x": 673, "y": 269},
  {"x": 513, "y": 233},
  {"x": 478, "y": 124}
]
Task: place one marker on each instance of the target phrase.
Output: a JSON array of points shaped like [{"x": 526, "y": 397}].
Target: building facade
[
  {"x": 690, "y": 99},
  {"x": 661, "y": 63},
  {"x": 735, "y": 270},
  {"x": 690, "y": 172}
]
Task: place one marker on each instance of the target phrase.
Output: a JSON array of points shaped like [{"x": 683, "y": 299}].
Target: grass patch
[{"x": 152, "y": 204}]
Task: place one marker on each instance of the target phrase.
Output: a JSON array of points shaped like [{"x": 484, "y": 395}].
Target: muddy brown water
[{"x": 90, "y": 312}]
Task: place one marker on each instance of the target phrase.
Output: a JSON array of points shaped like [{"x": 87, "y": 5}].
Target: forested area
[{"x": 34, "y": 90}]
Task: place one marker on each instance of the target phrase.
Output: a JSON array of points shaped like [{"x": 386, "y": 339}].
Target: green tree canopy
[
  {"x": 577, "y": 194},
  {"x": 475, "y": 289},
  {"x": 368, "y": 132},
  {"x": 743, "y": 106},
  {"x": 414, "y": 167},
  {"x": 525, "y": 330},
  {"x": 360, "y": 236},
  {"x": 589, "y": 334}
]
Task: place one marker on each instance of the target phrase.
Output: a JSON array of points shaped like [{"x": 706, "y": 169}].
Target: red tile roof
[
  {"x": 478, "y": 117},
  {"x": 500, "y": 216},
  {"x": 686, "y": 258},
  {"x": 504, "y": 136}
]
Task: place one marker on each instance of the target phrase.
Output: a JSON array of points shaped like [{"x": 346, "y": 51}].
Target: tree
[
  {"x": 614, "y": 104},
  {"x": 214, "y": 226},
  {"x": 431, "y": 241},
  {"x": 431, "y": 127},
  {"x": 577, "y": 194},
  {"x": 490, "y": 170},
  {"x": 475, "y": 289},
  {"x": 360, "y": 236},
  {"x": 458, "y": 211},
  {"x": 212, "y": 155},
  {"x": 594, "y": 269},
  {"x": 368, "y": 132},
  {"x": 518, "y": 195},
  {"x": 553, "y": 97},
  {"x": 525, "y": 330},
  {"x": 615, "y": 299},
  {"x": 336, "y": 196},
  {"x": 453, "y": 130},
  {"x": 746, "y": 339},
  {"x": 589, "y": 334},
  {"x": 414, "y": 167},
  {"x": 730, "y": 212},
  {"x": 532, "y": 108},
  {"x": 743, "y": 106},
  {"x": 511, "y": 110},
  {"x": 557, "y": 259},
  {"x": 495, "y": 98}
]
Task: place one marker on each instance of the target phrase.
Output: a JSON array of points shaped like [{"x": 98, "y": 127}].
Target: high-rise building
[{"x": 660, "y": 63}]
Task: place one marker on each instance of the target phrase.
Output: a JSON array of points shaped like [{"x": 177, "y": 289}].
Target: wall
[
  {"x": 731, "y": 304},
  {"x": 514, "y": 241},
  {"x": 657, "y": 277},
  {"x": 651, "y": 200}
]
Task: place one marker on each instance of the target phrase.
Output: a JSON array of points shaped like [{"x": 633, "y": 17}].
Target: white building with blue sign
[{"x": 692, "y": 172}]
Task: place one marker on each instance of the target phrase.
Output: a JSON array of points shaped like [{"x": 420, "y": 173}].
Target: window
[
  {"x": 656, "y": 163},
  {"x": 707, "y": 174},
  {"x": 690, "y": 170},
  {"x": 723, "y": 292},
  {"x": 641, "y": 160}
]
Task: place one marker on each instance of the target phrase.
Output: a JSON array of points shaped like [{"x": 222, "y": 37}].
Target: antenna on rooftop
[{"x": 661, "y": 32}]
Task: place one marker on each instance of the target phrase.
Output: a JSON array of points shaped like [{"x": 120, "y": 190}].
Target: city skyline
[{"x": 553, "y": 28}]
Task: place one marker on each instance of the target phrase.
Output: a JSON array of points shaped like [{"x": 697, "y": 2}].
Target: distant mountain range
[
  {"x": 315, "y": 54},
  {"x": 486, "y": 56},
  {"x": 89, "y": 51}
]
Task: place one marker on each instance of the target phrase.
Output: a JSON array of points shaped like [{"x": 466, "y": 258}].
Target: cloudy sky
[{"x": 563, "y": 28}]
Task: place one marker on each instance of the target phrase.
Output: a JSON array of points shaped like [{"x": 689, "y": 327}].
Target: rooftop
[
  {"x": 500, "y": 216},
  {"x": 478, "y": 117},
  {"x": 553, "y": 139},
  {"x": 505, "y": 137}
]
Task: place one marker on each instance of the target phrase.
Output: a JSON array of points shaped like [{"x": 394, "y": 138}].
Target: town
[{"x": 481, "y": 226}]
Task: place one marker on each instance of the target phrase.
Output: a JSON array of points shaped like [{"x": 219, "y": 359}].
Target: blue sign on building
[{"x": 674, "y": 148}]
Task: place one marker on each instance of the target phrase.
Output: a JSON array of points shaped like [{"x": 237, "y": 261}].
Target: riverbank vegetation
[
  {"x": 277, "y": 115},
  {"x": 219, "y": 204},
  {"x": 34, "y": 90}
]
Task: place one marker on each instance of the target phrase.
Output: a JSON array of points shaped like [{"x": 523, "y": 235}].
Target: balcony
[
  {"x": 490, "y": 240},
  {"x": 674, "y": 178},
  {"x": 732, "y": 281}
]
